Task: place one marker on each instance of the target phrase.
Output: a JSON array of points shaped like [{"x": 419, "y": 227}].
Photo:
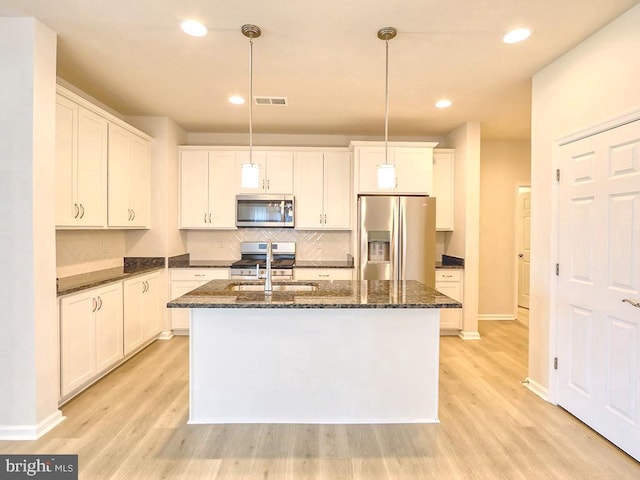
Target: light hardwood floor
[{"x": 132, "y": 425}]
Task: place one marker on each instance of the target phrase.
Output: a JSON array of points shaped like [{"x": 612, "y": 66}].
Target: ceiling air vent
[{"x": 277, "y": 101}]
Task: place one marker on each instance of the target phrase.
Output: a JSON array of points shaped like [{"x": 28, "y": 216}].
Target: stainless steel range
[{"x": 254, "y": 258}]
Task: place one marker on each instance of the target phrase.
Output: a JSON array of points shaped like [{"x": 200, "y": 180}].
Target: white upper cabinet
[
  {"x": 443, "y": 182},
  {"x": 322, "y": 188},
  {"x": 81, "y": 166},
  {"x": 129, "y": 185},
  {"x": 413, "y": 167},
  {"x": 276, "y": 172},
  {"x": 207, "y": 192}
]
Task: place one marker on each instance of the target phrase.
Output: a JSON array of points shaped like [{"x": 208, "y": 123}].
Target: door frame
[
  {"x": 516, "y": 277},
  {"x": 552, "y": 391}
]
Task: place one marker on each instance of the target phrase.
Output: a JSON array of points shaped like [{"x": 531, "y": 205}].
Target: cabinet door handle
[
  {"x": 81, "y": 211},
  {"x": 94, "y": 303},
  {"x": 631, "y": 302},
  {"x": 209, "y": 218},
  {"x": 263, "y": 183},
  {"x": 99, "y": 303},
  {"x": 134, "y": 214},
  {"x": 323, "y": 274},
  {"x": 268, "y": 184},
  {"x": 396, "y": 182},
  {"x": 199, "y": 275},
  {"x": 320, "y": 219},
  {"x": 325, "y": 218},
  {"x": 447, "y": 276},
  {"x": 75, "y": 206},
  {"x": 205, "y": 217},
  {"x": 129, "y": 214}
]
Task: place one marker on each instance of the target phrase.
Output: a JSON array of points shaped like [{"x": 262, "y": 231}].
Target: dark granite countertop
[
  {"x": 132, "y": 267},
  {"x": 329, "y": 294},
  {"x": 184, "y": 261},
  {"x": 323, "y": 264},
  {"x": 440, "y": 265}
]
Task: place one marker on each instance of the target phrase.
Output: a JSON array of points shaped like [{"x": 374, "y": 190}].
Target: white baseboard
[
  {"x": 181, "y": 331},
  {"x": 31, "y": 432},
  {"x": 497, "y": 316},
  {"x": 538, "y": 389},
  {"x": 166, "y": 335},
  {"x": 469, "y": 335}
]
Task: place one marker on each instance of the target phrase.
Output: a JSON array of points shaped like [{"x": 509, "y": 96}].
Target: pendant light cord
[
  {"x": 386, "y": 106},
  {"x": 251, "y": 101}
]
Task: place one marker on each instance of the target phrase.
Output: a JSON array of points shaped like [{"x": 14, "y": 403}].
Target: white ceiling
[{"x": 324, "y": 56}]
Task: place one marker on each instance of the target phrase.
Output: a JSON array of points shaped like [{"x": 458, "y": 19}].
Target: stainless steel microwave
[{"x": 264, "y": 211}]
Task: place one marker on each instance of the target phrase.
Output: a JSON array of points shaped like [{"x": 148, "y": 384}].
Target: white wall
[
  {"x": 163, "y": 238},
  {"x": 464, "y": 241},
  {"x": 504, "y": 166},
  {"x": 29, "y": 352},
  {"x": 595, "y": 82}
]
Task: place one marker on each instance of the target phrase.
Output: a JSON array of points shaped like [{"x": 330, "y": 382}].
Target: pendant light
[
  {"x": 386, "y": 171},
  {"x": 250, "y": 172}
]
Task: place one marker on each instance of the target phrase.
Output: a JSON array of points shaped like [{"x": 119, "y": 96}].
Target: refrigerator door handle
[
  {"x": 402, "y": 234},
  {"x": 395, "y": 274}
]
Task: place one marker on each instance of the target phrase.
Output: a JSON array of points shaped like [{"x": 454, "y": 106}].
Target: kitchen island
[{"x": 314, "y": 352}]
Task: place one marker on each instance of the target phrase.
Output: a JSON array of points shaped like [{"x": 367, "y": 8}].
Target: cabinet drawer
[
  {"x": 199, "y": 274},
  {"x": 323, "y": 273},
  {"x": 448, "y": 275}
]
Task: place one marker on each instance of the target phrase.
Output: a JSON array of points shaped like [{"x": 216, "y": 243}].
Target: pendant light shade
[
  {"x": 250, "y": 172},
  {"x": 386, "y": 171}
]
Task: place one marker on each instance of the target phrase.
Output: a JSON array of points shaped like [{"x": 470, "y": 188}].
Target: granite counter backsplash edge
[{"x": 132, "y": 266}]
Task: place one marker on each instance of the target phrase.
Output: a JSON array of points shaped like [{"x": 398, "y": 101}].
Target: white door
[
  {"x": 337, "y": 191},
  {"x": 279, "y": 173},
  {"x": 414, "y": 170},
  {"x": 77, "y": 340},
  {"x": 308, "y": 189},
  {"x": 118, "y": 178},
  {"x": 92, "y": 169},
  {"x": 67, "y": 209},
  {"x": 599, "y": 257},
  {"x": 222, "y": 192},
  {"x": 194, "y": 189},
  {"x": 523, "y": 245},
  {"x": 109, "y": 326}
]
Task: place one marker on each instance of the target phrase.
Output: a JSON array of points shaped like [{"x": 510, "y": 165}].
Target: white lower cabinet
[
  {"x": 90, "y": 334},
  {"x": 450, "y": 282},
  {"x": 183, "y": 280},
  {"x": 323, "y": 273},
  {"x": 142, "y": 319}
]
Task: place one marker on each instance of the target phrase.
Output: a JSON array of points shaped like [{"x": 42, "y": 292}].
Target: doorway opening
[{"x": 523, "y": 252}]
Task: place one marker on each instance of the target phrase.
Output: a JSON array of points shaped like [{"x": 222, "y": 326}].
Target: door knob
[{"x": 521, "y": 255}]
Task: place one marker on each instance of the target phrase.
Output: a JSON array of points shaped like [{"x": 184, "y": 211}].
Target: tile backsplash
[
  {"x": 82, "y": 251},
  {"x": 310, "y": 245}
]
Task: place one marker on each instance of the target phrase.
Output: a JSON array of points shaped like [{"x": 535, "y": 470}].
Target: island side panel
[{"x": 314, "y": 365}]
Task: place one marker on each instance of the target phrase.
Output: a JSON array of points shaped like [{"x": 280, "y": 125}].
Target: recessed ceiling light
[
  {"x": 517, "y": 35},
  {"x": 236, "y": 99},
  {"x": 444, "y": 103},
  {"x": 193, "y": 28}
]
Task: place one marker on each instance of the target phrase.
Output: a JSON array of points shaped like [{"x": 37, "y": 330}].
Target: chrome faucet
[{"x": 268, "y": 286}]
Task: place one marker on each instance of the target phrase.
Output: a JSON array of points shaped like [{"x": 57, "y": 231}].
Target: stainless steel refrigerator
[{"x": 397, "y": 238}]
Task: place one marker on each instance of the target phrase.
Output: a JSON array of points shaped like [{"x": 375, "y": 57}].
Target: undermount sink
[{"x": 277, "y": 287}]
